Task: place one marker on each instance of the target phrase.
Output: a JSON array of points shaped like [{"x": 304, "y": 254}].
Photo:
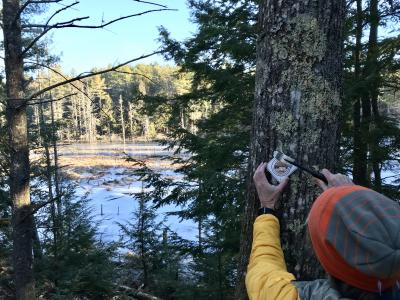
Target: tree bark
[
  {"x": 22, "y": 222},
  {"x": 296, "y": 110}
]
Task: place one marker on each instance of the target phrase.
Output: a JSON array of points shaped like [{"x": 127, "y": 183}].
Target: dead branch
[
  {"x": 52, "y": 100},
  {"x": 134, "y": 73},
  {"x": 71, "y": 23},
  {"x": 48, "y": 28},
  {"x": 72, "y": 84},
  {"x": 27, "y": 3},
  {"x": 36, "y": 207},
  {"x": 60, "y": 10},
  {"x": 151, "y": 3},
  {"x": 137, "y": 293},
  {"x": 87, "y": 75}
]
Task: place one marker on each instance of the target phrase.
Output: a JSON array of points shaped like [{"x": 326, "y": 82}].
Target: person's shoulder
[{"x": 319, "y": 289}]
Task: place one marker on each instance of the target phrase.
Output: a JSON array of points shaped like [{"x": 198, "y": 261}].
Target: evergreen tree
[
  {"x": 82, "y": 266},
  {"x": 371, "y": 137},
  {"x": 154, "y": 259},
  {"x": 103, "y": 106}
]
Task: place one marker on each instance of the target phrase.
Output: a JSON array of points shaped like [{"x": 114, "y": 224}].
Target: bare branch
[
  {"x": 138, "y": 293},
  {"x": 52, "y": 100},
  {"x": 134, "y": 73},
  {"x": 70, "y": 24},
  {"x": 87, "y": 75},
  {"x": 60, "y": 10},
  {"x": 46, "y": 30},
  {"x": 151, "y": 3},
  {"x": 79, "y": 89},
  {"x": 36, "y": 207},
  {"x": 27, "y": 48},
  {"x": 71, "y": 83}
]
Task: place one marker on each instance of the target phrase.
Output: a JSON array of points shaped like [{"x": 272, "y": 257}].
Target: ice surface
[{"x": 111, "y": 190}]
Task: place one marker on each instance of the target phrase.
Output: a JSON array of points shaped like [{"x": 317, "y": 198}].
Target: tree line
[{"x": 118, "y": 106}]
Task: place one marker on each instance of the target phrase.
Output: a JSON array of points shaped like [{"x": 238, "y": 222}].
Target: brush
[{"x": 286, "y": 159}]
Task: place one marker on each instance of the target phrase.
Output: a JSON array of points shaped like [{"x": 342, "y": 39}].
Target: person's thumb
[{"x": 328, "y": 175}]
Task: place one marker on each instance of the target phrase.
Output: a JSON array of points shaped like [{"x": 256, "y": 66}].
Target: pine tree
[
  {"x": 82, "y": 266},
  {"x": 103, "y": 106}
]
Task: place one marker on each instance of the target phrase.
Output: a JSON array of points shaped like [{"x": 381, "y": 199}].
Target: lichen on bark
[{"x": 297, "y": 102}]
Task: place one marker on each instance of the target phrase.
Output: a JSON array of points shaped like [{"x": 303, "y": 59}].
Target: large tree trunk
[
  {"x": 296, "y": 110},
  {"x": 18, "y": 139}
]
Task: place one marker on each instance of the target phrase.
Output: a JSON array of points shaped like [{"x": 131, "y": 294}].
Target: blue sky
[{"x": 83, "y": 49}]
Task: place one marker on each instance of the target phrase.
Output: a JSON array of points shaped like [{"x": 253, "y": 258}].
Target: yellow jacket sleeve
[{"x": 267, "y": 277}]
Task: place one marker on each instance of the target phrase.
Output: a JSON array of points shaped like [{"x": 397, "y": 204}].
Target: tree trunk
[
  {"x": 360, "y": 146},
  {"x": 57, "y": 185},
  {"x": 22, "y": 219},
  {"x": 121, "y": 110},
  {"x": 45, "y": 139},
  {"x": 37, "y": 122},
  {"x": 374, "y": 74},
  {"x": 131, "y": 120},
  {"x": 37, "y": 248},
  {"x": 296, "y": 110}
]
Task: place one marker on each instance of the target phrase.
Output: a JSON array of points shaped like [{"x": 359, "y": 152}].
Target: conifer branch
[{"x": 27, "y": 3}]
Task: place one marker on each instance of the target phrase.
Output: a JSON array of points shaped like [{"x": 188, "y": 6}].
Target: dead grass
[
  {"x": 93, "y": 167},
  {"x": 111, "y": 161}
]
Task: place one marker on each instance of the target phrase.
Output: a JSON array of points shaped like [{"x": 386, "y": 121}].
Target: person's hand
[
  {"x": 267, "y": 193},
  {"x": 333, "y": 180}
]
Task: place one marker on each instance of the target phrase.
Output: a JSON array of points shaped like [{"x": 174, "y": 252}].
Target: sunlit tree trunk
[
  {"x": 57, "y": 185},
  {"x": 19, "y": 152},
  {"x": 121, "y": 111},
  {"x": 296, "y": 110},
  {"x": 131, "y": 121}
]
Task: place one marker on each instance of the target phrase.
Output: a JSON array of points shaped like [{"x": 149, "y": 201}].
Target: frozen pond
[{"x": 101, "y": 172}]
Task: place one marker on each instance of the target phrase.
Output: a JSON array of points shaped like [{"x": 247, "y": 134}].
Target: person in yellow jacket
[{"x": 355, "y": 234}]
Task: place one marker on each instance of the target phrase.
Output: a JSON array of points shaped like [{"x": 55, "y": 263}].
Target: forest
[{"x": 319, "y": 80}]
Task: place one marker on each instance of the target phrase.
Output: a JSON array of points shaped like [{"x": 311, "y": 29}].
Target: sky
[{"x": 83, "y": 49}]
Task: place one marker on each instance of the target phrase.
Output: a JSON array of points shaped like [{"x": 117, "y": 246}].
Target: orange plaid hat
[{"x": 355, "y": 233}]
